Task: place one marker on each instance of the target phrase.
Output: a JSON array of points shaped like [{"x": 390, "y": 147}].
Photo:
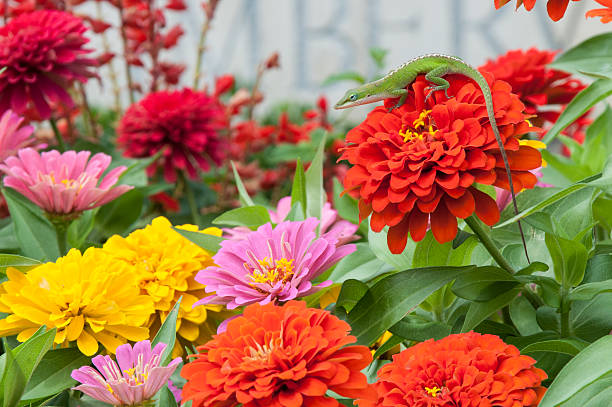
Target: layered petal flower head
[
  {"x": 63, "y": 184},
  {"x": 556, "y": 8},
  {"x": 418, "y": 164},
  {"x": 273, "y": 355},
  {"x": 14, "y": 137},
  {"x": 165, "y": 265},
  {"x": 271, "y": 265},
  {"x": 184, "y": 124},
  {"x": 134, "y": 378},
  {"x": 467, "y": 369},
  {"x": 331, "y": 223},
  {"x": 43, "y": 52},
  {"x": 543, "y": 90},
  {"x": 604, "y": 13},
  {"x": 89, "y": 298}
]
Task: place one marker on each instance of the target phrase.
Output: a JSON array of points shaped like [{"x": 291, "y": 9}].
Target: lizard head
[{"x": 359, "y": 96}]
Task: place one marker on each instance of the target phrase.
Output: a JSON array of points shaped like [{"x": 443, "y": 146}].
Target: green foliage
[
  {"x": 167, "y": 332},
  {"x": 207, "y": 242},
  {"x": 249, "y": 216}
]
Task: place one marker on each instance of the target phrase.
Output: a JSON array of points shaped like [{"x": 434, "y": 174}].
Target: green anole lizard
[{"x": 434, "y": 66}]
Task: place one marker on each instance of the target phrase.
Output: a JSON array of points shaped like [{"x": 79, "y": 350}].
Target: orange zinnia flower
[
  {"x": 556, "y": 8},
  {"x": 467, "y": 369},
  {"x": 278, "y": 356},
  {"x": 604, "y": 13},
  {"x": 418, "y": 163}
]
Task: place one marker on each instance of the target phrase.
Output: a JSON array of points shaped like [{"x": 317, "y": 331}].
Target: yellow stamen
[
  {"x": 418, "y": 128},
  {"x": 433, "y": 391},
  {"x": 272, "y": 271}
]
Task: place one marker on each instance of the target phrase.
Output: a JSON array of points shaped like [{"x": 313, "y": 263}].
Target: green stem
[
  {"x": 535, "y": 301},
  {"x": 61, "y": 146},
  {"x": 193, "y": 207},
  {"x": 565, "y": 312},
  {"x": 488, "y": 243},
  {"x": 61, "y": 231}
]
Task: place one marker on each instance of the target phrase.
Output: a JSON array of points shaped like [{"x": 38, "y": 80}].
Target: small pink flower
[
  {"x": 504, "y": 197},
  {"x": 12, "y": 137},
  {"x": 63, "y": 183},
  {"x": 137, "y": 378},
  {"x": 271, "y": 265},
  {"x": 331, "y": 223}
]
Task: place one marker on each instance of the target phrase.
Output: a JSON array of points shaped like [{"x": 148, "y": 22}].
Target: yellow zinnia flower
[
  {"x": 165, "y": 264},
  {"x": 89, "y": 298}
]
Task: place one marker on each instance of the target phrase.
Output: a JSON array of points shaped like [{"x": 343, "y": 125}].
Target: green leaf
[
  {"x": 117, "y": 216},
  {"x": 596, "y": 394},
  {"x": 249, "y": 216},
  {"x": 19, "y": 262},
  {"x": 593, "y": 56},
  {"x": 207, "y": 242},
  {"x": 34, "y": 232},
  {"x": 345, "y": 205},
  {"x": 569, "y": 260},
  {"x": 588, "y": 291},
  {"x": 568, "y": 346},
  {"x": 523, "y": 316},
  {"x": 81, "y": 228},
  {"x": 395, "y": 296},
  {"x": 479, "y": 311},
  {"x": 135, "y": 172},
  {"x": 583, "y": 101},
  {"x": 243, "y": 195},
  {"x": 298, "y": 190},
  {"x": 167, "y": 333},
  {"x": 393, "y": 341},
  {"x": 378, "y": 245},
  {"x": 344, "y": 76},
  {"x": 53, "y": 373},
  {"x": 13, "y": 380},
  {"x": 362, "y": 264},
  {"x": 297, "y": 213},
  {"x": 589, "y": 365},
  {"x": 484, "y": 283},
  {"x": 30, "y": 353},
  {"x": 315, "y": 195},
  {"x": 350, "y": 293},
  {"x": 166, "y": 398},
  {"x": 415, "y": 328}
]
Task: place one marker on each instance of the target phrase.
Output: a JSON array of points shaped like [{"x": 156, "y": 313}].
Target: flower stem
[
  {"x": 58, "y": 136},
  {"x": 488, "y": 243},
  {"x": 565, "y": 313},
  {"x": 61, "y": 231},
  {"x": 200, "y": 53},
  {"x": 193, "y": 207}
]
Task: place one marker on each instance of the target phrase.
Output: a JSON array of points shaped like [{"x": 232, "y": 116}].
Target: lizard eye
[{"x": 353, "y": 97}]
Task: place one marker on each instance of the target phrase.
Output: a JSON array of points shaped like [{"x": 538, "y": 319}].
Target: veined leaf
[
  {"x": 167, "y": 333},
  {"x": 243, "y": 195},
  {"x": 249, "y": 216},
  {"x": 207, "y": 242}
]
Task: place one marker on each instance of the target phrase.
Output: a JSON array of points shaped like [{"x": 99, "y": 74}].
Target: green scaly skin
[{"x": 434, "y": 66}]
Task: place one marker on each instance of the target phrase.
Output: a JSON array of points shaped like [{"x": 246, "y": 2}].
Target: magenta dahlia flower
[
  {"x": 43, "y": 54},
  {"x": 137, "y": 377},
  {"x": 271, "y": 265},
  {"x": 13, "y": 137},
  {"x": 63, "y": 183},
  {"x": 331, "y": 223},
  {"x": 183, "y": 123}
]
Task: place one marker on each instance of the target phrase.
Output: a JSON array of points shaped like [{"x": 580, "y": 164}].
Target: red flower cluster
[
  {"x": 281, "y": 356},
  {"x": 417, "y": 165},
  {"x": 460, "y": 370},
  {"x": 556, "y": 8},
  {"x": 184, "y": 124},
  {"x": 43, "y": 55}
]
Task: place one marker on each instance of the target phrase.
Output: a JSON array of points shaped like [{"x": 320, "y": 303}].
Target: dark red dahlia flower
[
  {"x": 467, "y": 369},
  {"x": 43, "y": 54},
  {"x": 538, "y": 86},
  {"x": 418, "y": 164},
  {"x": 185, "y": 124}
]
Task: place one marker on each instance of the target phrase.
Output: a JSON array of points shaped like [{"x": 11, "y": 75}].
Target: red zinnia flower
[
  {"x": 184, "y": 123},
  {"x": 467, "y": 369},
  {"x": 278, "y": 356},
  {"x": 604, "y": 13},
  {"x": 556, "y": 8},
  {"x": 43, "y": 54},
  {"x": 424, "y": 157},
  {"x": 537, "y": 85}
]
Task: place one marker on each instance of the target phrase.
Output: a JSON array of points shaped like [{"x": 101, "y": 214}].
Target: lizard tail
[{"x": 486, "y": 91}]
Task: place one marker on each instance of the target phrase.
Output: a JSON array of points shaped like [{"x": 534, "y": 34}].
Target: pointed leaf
[
  {"x": 479, "y": 311},
  {"x": 166, "y": 398},
  {"x": 19, "y": 262},
  {"x": 249, "y": 216},
  {"x": 167, "y": 333},
  {"x": 315, "y": 195},
  {"x": 568, "y": 346},
  {"x": 298, "y": 190},
  {"x": 13, "y": 380},
  {"x": 207, "y": 242},
  {"x": 243, "y": 195}
]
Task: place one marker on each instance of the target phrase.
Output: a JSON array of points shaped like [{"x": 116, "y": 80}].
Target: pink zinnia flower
[
  {"x": 137, "y": 378},
  {"x": 43, "y": 54},
  {"x": 331, "y": 223},
  {"x": 63, "y": 183},
  {"x": 12, "y": 137},
  {"x": 271, "y": 265},
  {"x": 183, "y": 123}
]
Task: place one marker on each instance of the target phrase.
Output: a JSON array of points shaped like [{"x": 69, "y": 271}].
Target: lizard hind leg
[
  {"x": 435, "y": 76},
  {"x": 402, "y": 94}
]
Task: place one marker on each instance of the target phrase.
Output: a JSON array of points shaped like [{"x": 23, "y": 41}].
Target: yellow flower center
[
  {"x": 433, "y": 391},
  {"x": 423, "y": 125},
  {"x": 69, "y": 183},
  {"x": 271, "y": 271}
]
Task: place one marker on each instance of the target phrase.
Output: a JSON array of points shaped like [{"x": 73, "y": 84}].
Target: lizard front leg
[
  {"x": 435, "y": 76},
  {"x": 402, "y": 94}
]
